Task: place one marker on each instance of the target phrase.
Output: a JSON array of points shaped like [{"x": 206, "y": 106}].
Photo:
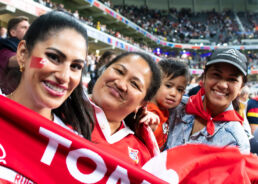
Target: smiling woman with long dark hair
[{"x": 51, "y": 67}]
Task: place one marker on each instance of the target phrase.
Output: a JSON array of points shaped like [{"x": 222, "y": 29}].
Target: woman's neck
[
  {"x": 21, "y": 98},
  {"x": 212, "y": 109},
  {"x": 114, "y": 126}
]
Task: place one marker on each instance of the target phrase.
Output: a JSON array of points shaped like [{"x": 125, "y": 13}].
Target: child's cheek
[
  {"x": 179, "y": 100},
  {"x": 37, "y": 62}
]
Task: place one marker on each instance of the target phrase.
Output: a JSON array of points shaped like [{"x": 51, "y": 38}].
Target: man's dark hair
[{"x": 12, "y": 23}]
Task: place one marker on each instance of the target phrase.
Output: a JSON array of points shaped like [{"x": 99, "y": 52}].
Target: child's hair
[{"x": 172, "y": 69}]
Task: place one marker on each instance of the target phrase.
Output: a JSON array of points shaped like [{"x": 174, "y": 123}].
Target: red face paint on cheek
[{"x": 37, "y": 62}]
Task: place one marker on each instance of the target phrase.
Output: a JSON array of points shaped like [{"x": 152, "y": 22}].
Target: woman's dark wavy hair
[
  {"x": 75, "y": 110},
  {"x": 235, "y": 102},
  {"x": 132, "y": 121}
]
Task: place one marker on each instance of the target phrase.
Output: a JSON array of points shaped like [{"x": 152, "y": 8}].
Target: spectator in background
[
  {"x": 194, "y": 90},
  {"x": 252, "y": 113},
  {"x": 9, "y": 72},
  {"x": 243, "y": 99},
  {"x": 193, "y": 83},
  {"x": 3, "y": 32},
  {"x": 252, "y": 116}
]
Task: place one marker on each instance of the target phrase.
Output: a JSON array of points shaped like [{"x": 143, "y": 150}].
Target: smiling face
[
  {"x": 52, "y": 69},
  {"x": 122, "y": 87},
  {"x": 222, "y": 83},
  {"x": 170, "y": 92}
]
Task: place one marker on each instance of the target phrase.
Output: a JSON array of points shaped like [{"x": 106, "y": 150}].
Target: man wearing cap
[{"x": 209, "y": 117}]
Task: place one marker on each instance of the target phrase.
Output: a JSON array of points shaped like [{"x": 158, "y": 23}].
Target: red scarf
[{"x": 195, "y": 106}]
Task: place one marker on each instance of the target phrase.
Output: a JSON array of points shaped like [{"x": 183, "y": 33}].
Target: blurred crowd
[
  {"x": 96, "y": 24},
  {"x": 184, "y": 25},
  {"x": 132, "y": 109}
]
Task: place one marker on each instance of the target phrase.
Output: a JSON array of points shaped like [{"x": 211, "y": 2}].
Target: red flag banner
[
  {"x": 34, "y": 149},
  {"x": 202, "y": 164}
]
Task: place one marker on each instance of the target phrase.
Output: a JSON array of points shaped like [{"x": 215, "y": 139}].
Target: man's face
[
  {"x": 3, "y": 31},
  {"x": 20, "y": 30}
]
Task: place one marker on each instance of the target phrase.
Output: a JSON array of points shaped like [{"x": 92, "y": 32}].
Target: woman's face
[
  {"x": 122, "y": 87},
  {"x": 222, "y": 84},
  {"x": 53, "y": 69}
]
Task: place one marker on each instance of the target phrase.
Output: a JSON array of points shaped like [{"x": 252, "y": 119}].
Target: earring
[
  {"x": 134, "y": 117},
  {"x": 22, "y": 68}
]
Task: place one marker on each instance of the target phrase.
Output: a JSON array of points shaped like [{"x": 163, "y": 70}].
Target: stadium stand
[{"x": 181, "y": 33}]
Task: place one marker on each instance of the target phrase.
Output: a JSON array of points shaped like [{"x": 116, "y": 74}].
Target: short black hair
[{"x": 172, "y": 69}]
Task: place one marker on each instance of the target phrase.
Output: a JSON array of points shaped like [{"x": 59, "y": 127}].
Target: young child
[{"x": 175, "y": 77}]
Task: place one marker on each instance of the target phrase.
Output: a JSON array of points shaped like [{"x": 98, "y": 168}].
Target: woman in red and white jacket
[{"x": 123, "y": 89}]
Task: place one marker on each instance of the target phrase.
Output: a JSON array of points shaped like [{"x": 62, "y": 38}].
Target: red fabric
[
  {"x": 23, "y": 148},
  {"x": 130, "y": 147},
  {"x": 149, "y": 140},
  {"x": 161, "y": 137},
  {"x": 204, "y": 164},
  {"x": 208, "y": 164},
  {"x": 195, "y": 106}
]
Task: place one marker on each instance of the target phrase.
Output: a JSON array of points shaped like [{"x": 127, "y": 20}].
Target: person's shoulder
[
  {"x": 253, "y": 100},
  {"x": 252, "y": 103},
  {"x": 9, "y": 43},
  {"x": 185, "y": 99},
  {"x": 236, "y": 129},
  {"x": 233, "y": 125}
]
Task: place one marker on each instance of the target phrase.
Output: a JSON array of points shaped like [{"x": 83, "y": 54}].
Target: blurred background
[{"x": 186, "y": 30}]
